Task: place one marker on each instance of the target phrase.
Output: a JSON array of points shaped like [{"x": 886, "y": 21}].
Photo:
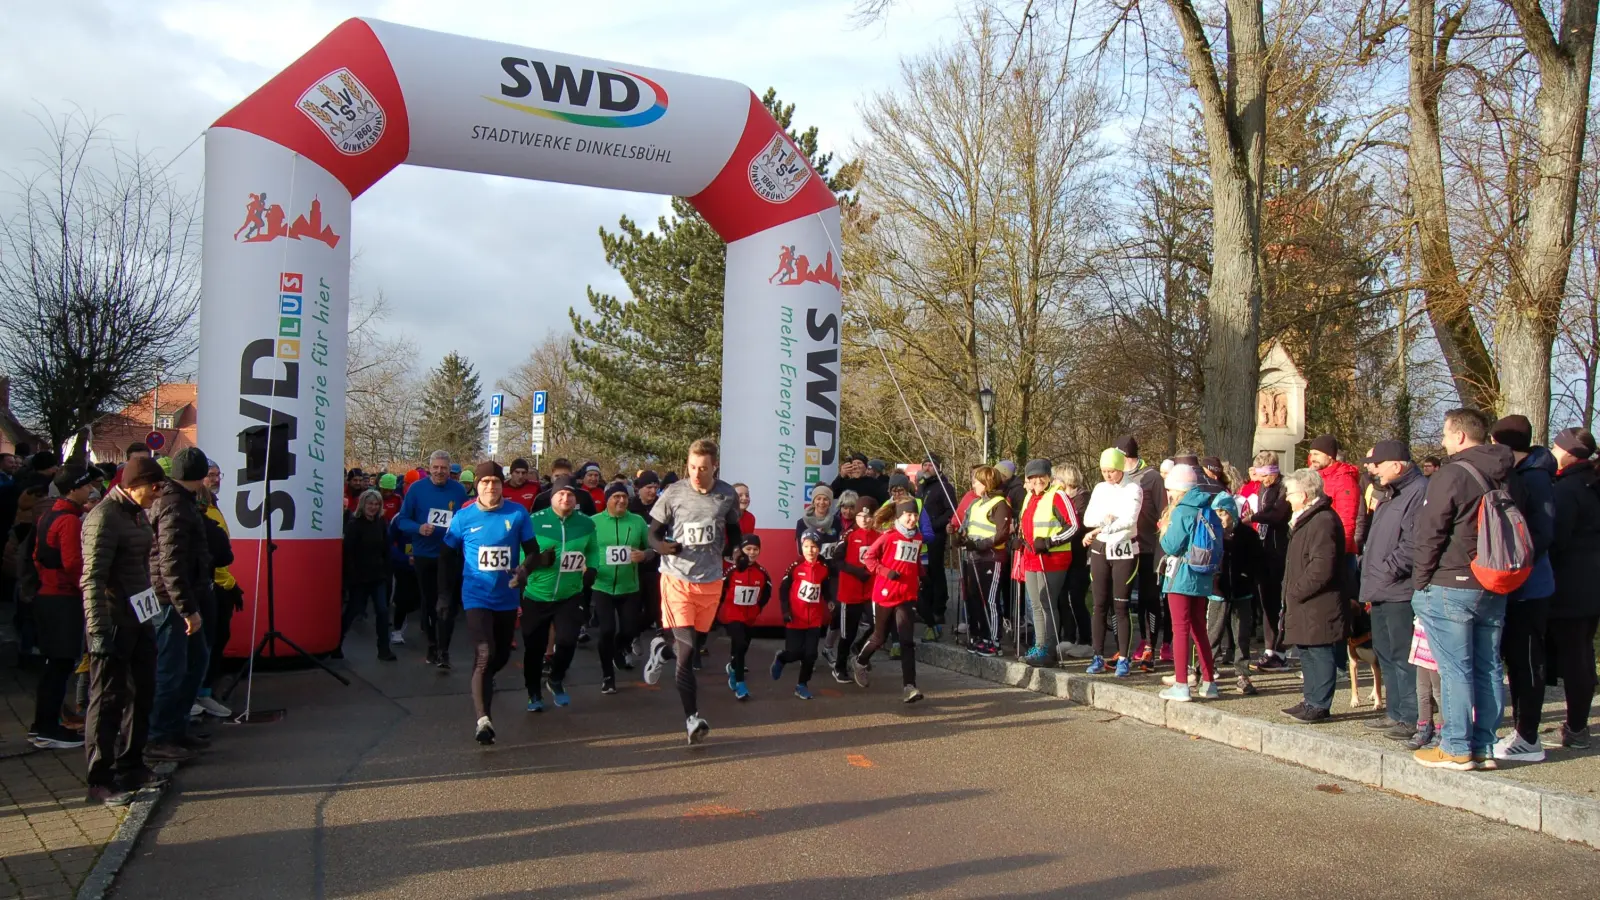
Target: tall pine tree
[
  {"x": 452, "y": 411},
  {"x": 652, "y": 362}
]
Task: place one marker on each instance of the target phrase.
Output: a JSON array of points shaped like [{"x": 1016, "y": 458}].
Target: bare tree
[
  {"x": 98, "y": 266},
  {"x": 548, "y": 368},
  {"x": 382, "y": 397}
]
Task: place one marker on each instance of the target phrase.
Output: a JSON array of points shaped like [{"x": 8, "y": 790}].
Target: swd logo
[{"x": 599, "y": 99}]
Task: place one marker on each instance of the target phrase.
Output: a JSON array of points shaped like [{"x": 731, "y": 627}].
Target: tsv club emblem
[
  {"x": 345, "y": 111},
  {"x": 778, "y": 172}
]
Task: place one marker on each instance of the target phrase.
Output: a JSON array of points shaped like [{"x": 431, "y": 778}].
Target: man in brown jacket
[
  {"x": 117, "y": 607},
  {"x": 181, "y": 573}
]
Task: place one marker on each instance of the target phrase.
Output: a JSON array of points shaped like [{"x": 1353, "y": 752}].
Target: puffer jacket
[
  {"x": 1575, "y": 547},
  {"x": 180, "y": 554},
  {"x": 1537, "y": 471},
  {"x": 1176, "y": 538},
  {"x": 1341, "y": 482},
  {"x": 1314, "y": 609},
  {"x": 116, "y": 562}
]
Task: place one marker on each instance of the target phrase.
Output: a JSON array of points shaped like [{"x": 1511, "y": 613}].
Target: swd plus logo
[{"x": 600, "y": 99}]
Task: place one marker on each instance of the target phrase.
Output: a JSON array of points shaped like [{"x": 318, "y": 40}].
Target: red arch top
[{"x": 738, "y": 202}]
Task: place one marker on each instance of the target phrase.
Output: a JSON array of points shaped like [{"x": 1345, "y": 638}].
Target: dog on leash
[{"x": 1360, "y": 652}]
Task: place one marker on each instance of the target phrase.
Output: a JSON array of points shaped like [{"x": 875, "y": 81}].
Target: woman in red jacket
[
  {"x": 895, "y": 563},
  {"x": 805, "y": 612}
]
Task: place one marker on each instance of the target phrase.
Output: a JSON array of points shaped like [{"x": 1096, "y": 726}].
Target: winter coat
[
  {"x": 1575, "y": 546},
  {"x": 1386, "y": 564},
  {"x": 116, "y": 563},
  {"x": 1446, "y": 538},
  {"x": 366, "y": 550},
  {"x": 938, "y": 502},
  {"x": 1242, "y": 566},
  {"x": 1176, "y": 538},
  {"x": 1314, "y": 610},
  {"x": 1537, "y": 472},
  {"x": 1341, "y": 482},
  {"x": 1271, "y": 520},
  {"x": 1153, "y": 499},
  {"x": 180, "y": 555}
]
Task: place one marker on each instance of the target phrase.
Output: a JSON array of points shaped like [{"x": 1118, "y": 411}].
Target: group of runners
[{"x": 690, "y": 553}]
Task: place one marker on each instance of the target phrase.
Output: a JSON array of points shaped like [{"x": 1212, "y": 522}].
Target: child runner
[
  {"x": 855, "y": 584},
  {"x": 749, "y": 587},
  {"x": 489, "y": 533},
  {"x": 1230, "y": 616},
  {"x": 895, "y": 561},
  {"x": 1188, "y": 510},
  {"x": 805, "y": 613},
  {"x": 618, "y": 550},
  {"x": 558, "y": 572}
]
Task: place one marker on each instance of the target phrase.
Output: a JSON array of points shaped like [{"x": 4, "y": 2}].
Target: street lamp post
[{"x": 986, "y": 403}]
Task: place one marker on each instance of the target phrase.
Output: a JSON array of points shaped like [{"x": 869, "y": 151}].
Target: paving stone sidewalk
[{"x": 50, "y": 838}]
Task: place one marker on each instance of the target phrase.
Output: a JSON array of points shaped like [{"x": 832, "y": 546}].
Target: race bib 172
[{"x": 907, "y": 551}]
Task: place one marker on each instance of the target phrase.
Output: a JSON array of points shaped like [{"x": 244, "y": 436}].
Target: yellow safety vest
[
  {"x": 980, "y": 523},
  {"x": 1045, "y": 524}
]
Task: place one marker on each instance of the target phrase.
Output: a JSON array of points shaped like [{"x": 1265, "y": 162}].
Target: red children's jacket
[
  {"x": 744, "y": 594},
  {"x": 855, "y": 582},
  {"x": 894, "y": 552},
  {"x": 803, "y": 603}
]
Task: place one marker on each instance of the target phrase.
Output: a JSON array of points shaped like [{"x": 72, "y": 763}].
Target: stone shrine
[{"x": 1280, "y": 407}]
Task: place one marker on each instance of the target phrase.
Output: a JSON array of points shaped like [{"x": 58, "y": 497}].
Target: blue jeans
[
  {"x": 181, "y": 661},
  {"x": 1463, "y": 626},
  {"x": 1391, "y": 642},
  {"x": 1317, "y": 664}
]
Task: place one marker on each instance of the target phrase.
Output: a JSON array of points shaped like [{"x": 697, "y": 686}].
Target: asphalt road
[{"x": 377, "y": 790}]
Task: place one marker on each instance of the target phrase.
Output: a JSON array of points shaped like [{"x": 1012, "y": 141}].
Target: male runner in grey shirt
[{"x": 694, "y": 526}]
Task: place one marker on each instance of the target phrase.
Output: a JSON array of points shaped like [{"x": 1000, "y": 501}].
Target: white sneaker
[
  {"x": 1178, "y": 693},
  {"x": 213, "y": 708},
  {"x": 827, "y": 654},
  {"x": 697, "y": 728},
  {"x": 485, "y": 731},
  {"x": 961, "y": 628},
  {"x": 196, "y": 711},
  {"x": 397, "y": 637},
  {"x": 652, "y": 666},
  {"x": 1514, "y": 749},
  {"x": 1170, "y": 680},
  {"x": 1208, "y": 691}
]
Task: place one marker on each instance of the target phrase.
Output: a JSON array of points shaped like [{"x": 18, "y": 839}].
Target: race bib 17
[
  {"x": 494, "y": 559},
  {"x": 744, "y": 595},
  {"x": 145, "y": 605}
]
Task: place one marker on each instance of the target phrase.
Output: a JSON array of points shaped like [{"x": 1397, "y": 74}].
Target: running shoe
[
  {"x": 698, "y": 660},
  {"x": 1208, "y": 691},
  {"x": 109, "y": 796},
  {"x": 928, "y": 634},
  {"x": 697, "y": 728},
  {"x": 1421, "y": 739},
  {"x": 910, "y": 694},
  {"x": 740, "y": 692},
  {"x": 894, "y": 652},
  {"x": 1178, "y": 693},
  {"x": 653, "y": 664},
  {"x": 196, "y": 711},
  {"x": 858, "y": 673},
  {"x": 777, "y": 666},
  {"x": 1572, "y": 740},
  {"x": 732, "y": 680},
  {"x": 485, "y": 731},
  {"x": 583, "y": 634},
  {"x": 829, "y": 654},
  {"x": 212, "y": 708},
  {"x": 1097, "y": 666},
  {"x": 1270, "y": 662},
  {"x": 431, "y": 657},
  {"x": 1146, "y": 663},
  {"x": 624, "y": 662},
  {"x": 841, "y": 677},
  {"x": 1166, "y": 653},
  {"x": 57, "y": 738},
  {"x": 803, "y": 692},
  {"x": 1124, "y": 668},
  {"x": 961, "y": 628},
  {"x": 536, "y": 705},
  {"x": 608, "y": 685},
  {"x": 986, "y": 648},
  {"x": 397, "y": 637},
  {"x": 558, "y": 692},
  {"x": 444, "y": 661}
]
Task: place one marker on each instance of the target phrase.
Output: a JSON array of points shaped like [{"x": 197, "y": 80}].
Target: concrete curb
[
  {"x": 98, "y": 883},
  {"x": 1564, "y": 816}
]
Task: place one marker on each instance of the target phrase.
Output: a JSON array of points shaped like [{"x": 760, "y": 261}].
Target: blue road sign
[
  {"x": 540, "y": 400},
  {"x": 496, "y": 403}
]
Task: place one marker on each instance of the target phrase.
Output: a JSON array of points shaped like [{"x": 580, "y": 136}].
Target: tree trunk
[
  {"x": 1235, "y": 129},
  {"x": 1526, "y": 320},
  {"x": 1447, "y": 303}
]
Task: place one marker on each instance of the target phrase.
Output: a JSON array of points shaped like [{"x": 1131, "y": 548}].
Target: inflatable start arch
[{"x": 284, "y": 165}]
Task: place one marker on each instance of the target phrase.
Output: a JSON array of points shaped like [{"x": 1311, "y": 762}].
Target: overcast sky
[{"x": 444, "y": 246}]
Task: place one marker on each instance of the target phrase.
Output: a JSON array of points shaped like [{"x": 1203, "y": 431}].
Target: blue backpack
[{"x": 1205, "y": 546}]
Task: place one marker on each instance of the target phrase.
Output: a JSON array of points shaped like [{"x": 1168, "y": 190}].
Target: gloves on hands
[
  {"x": 545, "y": 559},
  {"x": 740, "y": 561},
  {"x": 891, "y": 574},
  {"x": 103, "y": 645},
  {"x": 1041, "y": 545}
]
